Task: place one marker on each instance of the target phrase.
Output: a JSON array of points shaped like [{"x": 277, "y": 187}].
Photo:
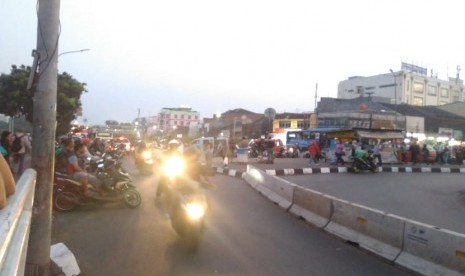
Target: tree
[
  {"x": 111, "y": 123},
  {"x": 17, "y": 100}
]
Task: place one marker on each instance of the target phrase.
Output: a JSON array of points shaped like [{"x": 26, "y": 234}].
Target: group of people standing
[
  {"x": 444, "y": 154},
  {"x": 315, "y": 153},
  {"x": 15, "y": 152}
]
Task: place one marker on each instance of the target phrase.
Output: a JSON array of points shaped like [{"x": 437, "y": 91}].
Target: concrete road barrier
[
  {"x": 430, "y": 250},
  {"x": 274, "y": 188},
  {"x": 253, "y": 176},
  {"x": 314, "y": 207},
  {"x": 373, "y": 230},
  {"x": 419, "y": 247}
]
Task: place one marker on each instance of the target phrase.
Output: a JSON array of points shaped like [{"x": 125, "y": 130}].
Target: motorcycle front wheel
[
  {"x": 355, "y": 169},
  {"x": 65, "y": 201},
  {"x": 192, "y": 239},
  {"x": 132, "y": 198}
]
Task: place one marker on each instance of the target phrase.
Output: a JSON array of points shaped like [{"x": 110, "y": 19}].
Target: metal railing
[{"x": 15, "y": 222}]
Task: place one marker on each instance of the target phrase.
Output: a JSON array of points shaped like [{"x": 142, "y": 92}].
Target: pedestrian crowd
[
  {"x": 414, "y": 152},
  {"x": 14, "y": 147},
  {"x": 441, "y": 153}
]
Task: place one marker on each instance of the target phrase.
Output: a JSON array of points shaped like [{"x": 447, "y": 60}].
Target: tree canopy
[{"x": 18, "y": 100}]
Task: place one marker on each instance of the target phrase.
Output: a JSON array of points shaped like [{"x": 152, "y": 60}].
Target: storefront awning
[
  {"x": 365, "y": 133},
  {"x": 379, "y": 134}
]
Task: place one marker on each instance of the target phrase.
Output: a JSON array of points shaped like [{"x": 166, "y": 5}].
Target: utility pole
[
  {"x": 314, "y": 107},
  {"x": 395, "y": 97},
  {"x": 43, "y": 134}
]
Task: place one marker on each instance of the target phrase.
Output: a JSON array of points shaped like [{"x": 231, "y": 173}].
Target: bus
[{"x": 303, "y": 138}]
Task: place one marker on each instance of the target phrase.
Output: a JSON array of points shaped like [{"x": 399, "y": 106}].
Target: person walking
[
  {"x": 403, "y": 152},
  {"x": 20, "y": 155},
  {"x": 314, "y": 151},
  {"x": 5, "y": 145},
  {"x": 377, "y": 153},
  {"x": 425, "y": 154},
  {"x": 439, "y": 153},
  {"x": 339, "y": 152},
  {"x": 414, "y": 151}
]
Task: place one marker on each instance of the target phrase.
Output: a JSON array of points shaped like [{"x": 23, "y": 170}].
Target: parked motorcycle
[
  {"x": 364, "y": 163},
  {"x": 292, "y": 151},
  {"x": 117, "y": 183},
  {"x": 253, "y": 151},
  {"x": 187, "y": 201}
]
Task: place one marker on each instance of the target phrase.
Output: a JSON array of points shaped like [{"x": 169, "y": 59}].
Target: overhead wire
[{"x": 48, "y": 57}]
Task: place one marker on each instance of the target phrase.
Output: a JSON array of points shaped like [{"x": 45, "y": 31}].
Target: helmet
[{"x": 173, "y": 144}]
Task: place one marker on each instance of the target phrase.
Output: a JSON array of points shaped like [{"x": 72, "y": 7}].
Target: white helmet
[{"x": 173, "y": 143}]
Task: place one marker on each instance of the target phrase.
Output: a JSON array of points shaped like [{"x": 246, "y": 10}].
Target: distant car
[{"x": 123, "y": 141}]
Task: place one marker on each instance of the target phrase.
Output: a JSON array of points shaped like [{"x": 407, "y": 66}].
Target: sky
[{"x": 214, "y": 55}]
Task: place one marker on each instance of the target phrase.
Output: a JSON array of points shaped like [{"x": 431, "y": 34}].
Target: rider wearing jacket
[{"x": 69, "y": 162}]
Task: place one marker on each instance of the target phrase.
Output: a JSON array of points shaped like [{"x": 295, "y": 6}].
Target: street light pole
[{"x": 395, "y": 97}]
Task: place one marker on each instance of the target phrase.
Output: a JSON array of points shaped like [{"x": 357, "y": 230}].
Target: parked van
[{"x": 199, "y": 144}]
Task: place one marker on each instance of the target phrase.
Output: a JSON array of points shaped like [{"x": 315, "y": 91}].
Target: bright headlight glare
[
  {"x": 146, "y": 154},
  {"x": 195, "y": 210},
  {"x": 174, "y": 166}
]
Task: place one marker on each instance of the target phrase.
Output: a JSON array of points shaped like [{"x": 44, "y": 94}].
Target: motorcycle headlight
[
  {"x": 195, "y": 210},
  {"x": 146, "y": 154},
  {"x": 174, "y": 166}
]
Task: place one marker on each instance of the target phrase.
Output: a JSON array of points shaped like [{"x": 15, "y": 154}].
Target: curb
[
  {"x": 326, "y": 170},
  {"x": 230, "y": 172}
]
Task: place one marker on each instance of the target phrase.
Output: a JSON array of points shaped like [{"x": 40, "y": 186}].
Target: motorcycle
[
  {"x": 187, "y": 203},
  {"x": 292, "y": 151},
  {"x": 253, "y": 150},
  {"x": 145, "y": 162},
  {"x": 364, "y": 164},
  {"x": 67, "y": 193}
]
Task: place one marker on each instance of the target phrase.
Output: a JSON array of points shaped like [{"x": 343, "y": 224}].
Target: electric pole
[{"x": 43, "y": 135}]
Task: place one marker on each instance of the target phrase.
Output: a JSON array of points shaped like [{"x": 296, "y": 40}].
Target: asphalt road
[
  {"x": 245, "y": 235},
  {"x": 433, "y": 198}
]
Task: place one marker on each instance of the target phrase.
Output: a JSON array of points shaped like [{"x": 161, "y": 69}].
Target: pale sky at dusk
[{"x": 220, "y": 55}]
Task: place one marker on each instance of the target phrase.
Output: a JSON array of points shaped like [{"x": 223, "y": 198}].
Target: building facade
[
  {"x": 409, "y": 87},
  {"x": 172, "y": 118}
]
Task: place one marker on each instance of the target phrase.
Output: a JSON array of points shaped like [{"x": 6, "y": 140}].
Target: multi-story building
[
  {"x": 411, "y": 85},
  {"x": 294, "y": 120},
  {"x": 172, "y": 118}
]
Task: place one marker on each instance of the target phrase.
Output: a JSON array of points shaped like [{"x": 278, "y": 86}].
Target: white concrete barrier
[
  {"x": 15, "y": 221},
  {"x": 232, "y": 172},
  {"x": 275, "y": 189},
  {"x": 313, "y": 206},
  {"x": 278, "y": 190},
  {"x": 253, "y": 176},
  {"x": 371, "y": 229},
  {"x": 432, "y": 251}
]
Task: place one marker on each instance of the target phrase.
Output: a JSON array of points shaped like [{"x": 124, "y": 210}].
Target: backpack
[
  {"x": 61, "y": 162},
  {"x": 17, "y": 145}
]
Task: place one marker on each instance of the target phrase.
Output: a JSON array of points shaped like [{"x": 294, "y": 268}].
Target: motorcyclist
[
  {"x": 138, "y": 153},
  {"x": 97, "y": 147},
  {"x": 172, "y": 150},
  {"x": 196, "y": 171},
  {"x": 68, "y": 162},
  {"x": 361, "y": 153}
]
